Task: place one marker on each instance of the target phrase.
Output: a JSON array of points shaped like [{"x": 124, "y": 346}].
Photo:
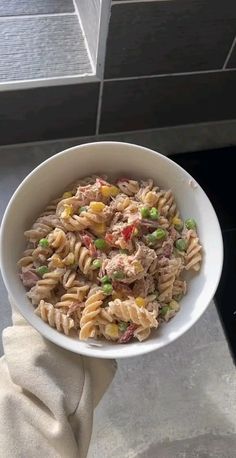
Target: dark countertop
[{"x": 215, "y": 172}]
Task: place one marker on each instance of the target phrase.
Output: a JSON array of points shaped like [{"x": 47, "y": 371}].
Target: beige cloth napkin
[{"x": 47, "y": 395}]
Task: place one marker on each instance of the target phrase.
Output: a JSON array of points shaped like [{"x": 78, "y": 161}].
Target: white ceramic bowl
[{"x": 113, "y": 159}]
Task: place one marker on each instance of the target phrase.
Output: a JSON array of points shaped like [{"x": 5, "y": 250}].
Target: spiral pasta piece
[
  {"x": 27, "y": 258},
  {"x": 91, "y": 310},
  {"x": 121, "y": 202},
  {"x": 128, "y": 311},
  {"x": 83, "y": 221},
  {"x": 104, "y": 317},
  {"x": 44, "y": 286},
  {"x": 76, "y": 253},
  {"x": 69, "y": 278},
  {"x": 84, "y": 260},
  {"x": 166, "y": 279},
  {"x": 42, "y": 227},
  {"x": 166, "y": 204},
  {"x": 179, "y": 287},
  {"x": 50, "y": 208},
  {"x": 83, "y": 182},
  {"x": 128, "y": 187},
  {"x": 148, "y": 194},
  {"x": 142, "y": 333},
  {"x": 75, "y": 247},
  {"x": 54, "y": 317},
  {"x": 74, "y": 295},
  {"x": 41, "y": 254},
  {"x": 193, "y": 256},
  {"x": 58, "y": 240}
]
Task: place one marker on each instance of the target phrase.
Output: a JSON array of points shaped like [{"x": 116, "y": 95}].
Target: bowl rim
[{"x": 92, "y": 349}]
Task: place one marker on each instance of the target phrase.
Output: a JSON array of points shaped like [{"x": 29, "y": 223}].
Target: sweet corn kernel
[
  {"x": 177, "y": 222},
  {"x": 109, "y": 191},
  {"x": 140, "y": 301},
  {"x": 69, "y": 259},
  {"x": 67, "y": 195},
  {"x": 99, "y": 228},
  {"x": 105, "y": 190},
  {"x": 114, "y": 191},
  {"x": 138, "y": 266},
  {"x": 97, "y": 206},
  {"x": 56, "y": 261},
  {"x": 174, "y": 305},
  {"x": 67, "y": 212},
  {"x": 112, "y": 331},
  {"x": 151, "y": 198}
]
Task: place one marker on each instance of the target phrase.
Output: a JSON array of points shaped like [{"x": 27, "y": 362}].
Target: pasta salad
[{"x": 108, "y": 260}]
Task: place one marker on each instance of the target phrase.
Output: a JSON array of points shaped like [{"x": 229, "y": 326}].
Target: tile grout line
[
  {"x": 89, "y": 77},
  {"x": 84, "y": 37},
  {"x": 28, "y": 16},
  {"x": 229, "y": 54},
  {"x": 125, "y": 132},
  {"x": 99, "y": 110},
  {"x": 105, "y": 29},
  {"x": 165, "y": 128},
  {"x": 164, "y": 75}
]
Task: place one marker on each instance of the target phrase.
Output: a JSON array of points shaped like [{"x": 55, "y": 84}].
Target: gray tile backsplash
[
  {"x": 55, "y": 48},
  {"x": 21, "y": 7},
  {"x": 48, "y": 112},
  {"x": 166, "y": 101},
  {"x": 189, "y": 39},
  {"x": 169, "y": 37}
]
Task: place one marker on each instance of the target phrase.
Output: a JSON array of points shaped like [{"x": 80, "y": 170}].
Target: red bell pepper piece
[{"x": 127, "y": 232}]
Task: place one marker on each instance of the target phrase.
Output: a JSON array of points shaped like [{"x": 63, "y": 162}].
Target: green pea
[
  {"x": 42, "y": 270},
  {"x": 190, "y": 223},
  {"x": 82, "y": 209},
  {"x": 164, "y": 310},
  {"x": 44, "y": 243},
  {"x": 122, "y": 326},
  {"x": 145, "y": 212},
  {"x": 181, "y": 244},
  {"x": 151, "y": 239},
  {"x": 107, "y": 288},
  {"x": 97, "y": 264},
  {"x": 159, "y": 234},
  {"x": 154, "y": 213},
  {"x": 118, "y": 274},
  {"x": 105, "y": 279},
  {"x": 100, "y": 244}
]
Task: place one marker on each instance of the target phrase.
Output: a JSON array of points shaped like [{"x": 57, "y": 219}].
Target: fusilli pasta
[
  {"x": 54, "y": 317},
  {"x": 108, "y": 260},
  {"x": 128, "y": 311},
  {"x": 91, "y": 310},
  {"x": 193, "y": 255}
]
